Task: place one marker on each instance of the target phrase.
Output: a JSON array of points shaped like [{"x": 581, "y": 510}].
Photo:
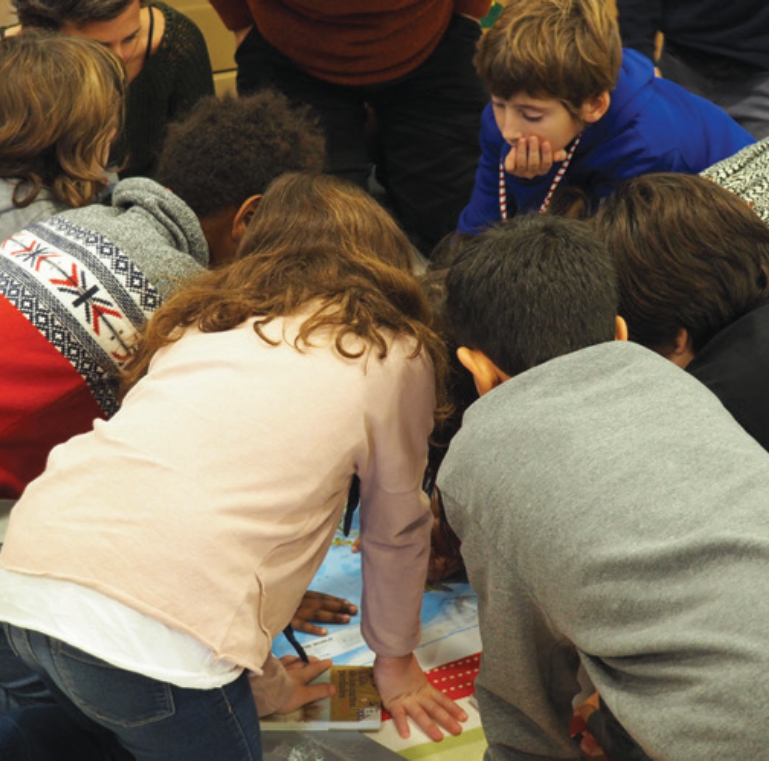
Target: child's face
[{"x": 547, "y": 119}]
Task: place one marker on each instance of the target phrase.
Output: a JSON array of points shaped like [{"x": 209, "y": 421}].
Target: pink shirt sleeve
[
  {"x": 395, "y": 513},
  {"x": 272, "y": 688}
]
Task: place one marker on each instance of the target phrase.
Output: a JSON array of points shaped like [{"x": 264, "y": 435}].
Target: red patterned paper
[{"x": 455, "y": 679}]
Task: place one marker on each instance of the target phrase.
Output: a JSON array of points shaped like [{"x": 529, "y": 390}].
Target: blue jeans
[
  {"x": 19, "y": 686},
  {"x": 133, "y": 716}
]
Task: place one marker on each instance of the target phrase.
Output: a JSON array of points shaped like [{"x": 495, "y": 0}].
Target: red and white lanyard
[{"x": 556, "y": 180}]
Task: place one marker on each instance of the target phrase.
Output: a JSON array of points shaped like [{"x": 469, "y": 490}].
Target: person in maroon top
[{"x": 408, "y": 63}]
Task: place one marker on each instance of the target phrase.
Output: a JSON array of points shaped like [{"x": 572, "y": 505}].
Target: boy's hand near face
[{"x": 528, "y": 159}]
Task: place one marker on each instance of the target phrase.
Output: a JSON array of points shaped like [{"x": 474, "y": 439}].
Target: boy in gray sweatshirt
[{"x": 611, "y": 512}]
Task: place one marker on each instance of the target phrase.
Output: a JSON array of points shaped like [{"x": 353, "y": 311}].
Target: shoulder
[
  {"x": 155, "y": 230},
  {"x": 658, "y": 126},
  {"x": 746, "y": 174},
  {"x": 180, "y": 28}
]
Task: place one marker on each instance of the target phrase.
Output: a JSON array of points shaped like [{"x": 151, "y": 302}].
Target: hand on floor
[
  {"x": 406, "y": 692},
  {"x": 321, "y": 608}
]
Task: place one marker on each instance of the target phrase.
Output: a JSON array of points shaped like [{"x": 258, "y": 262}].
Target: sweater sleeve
[
  {"x": 639, "y": 21},
  {"x": 395, "y": 513},
  {"x": 272, "y": 688},
  {"x": 235, "y": 14},
  {"x": 483, "y": 208}
]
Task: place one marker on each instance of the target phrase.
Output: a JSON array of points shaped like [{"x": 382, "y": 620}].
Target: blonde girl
[{"x": 165, "y": 57}]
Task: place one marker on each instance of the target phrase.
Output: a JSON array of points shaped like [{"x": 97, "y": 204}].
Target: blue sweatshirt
[{"x": 652, "y": 125}]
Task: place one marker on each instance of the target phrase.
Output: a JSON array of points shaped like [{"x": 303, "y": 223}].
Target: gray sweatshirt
[
  {"x": 14, "y": 218},
  {"x": 158, "y": 232},
  {"x": 611, "y": 511}
]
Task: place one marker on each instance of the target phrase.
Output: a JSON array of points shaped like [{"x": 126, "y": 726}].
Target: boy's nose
[{"x": 511, "y": 130}]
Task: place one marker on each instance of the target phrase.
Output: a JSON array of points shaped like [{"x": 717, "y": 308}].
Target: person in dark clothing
[
  {"x": 406, "y": 64},
  {"x": 165, "y": 57},
  {"x": 693, "y": 260},
  {"x": 714, "y": 49}
]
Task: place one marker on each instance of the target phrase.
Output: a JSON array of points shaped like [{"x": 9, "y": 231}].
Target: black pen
[{"x": 291, "y": 637}]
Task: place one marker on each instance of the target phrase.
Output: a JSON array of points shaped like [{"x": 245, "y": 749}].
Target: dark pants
[
  {"x": 613, "y": 737},
  {"x": 427, "y": 124},
  {"x": 103, "y": 712}
]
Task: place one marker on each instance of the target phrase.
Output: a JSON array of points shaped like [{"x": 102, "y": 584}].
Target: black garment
[
  {"x": 715, "y": 31},
  {"x": 427, "y": 124},
  {"x": 47, "y": 733},
  {"x": 734, "y": 365}
]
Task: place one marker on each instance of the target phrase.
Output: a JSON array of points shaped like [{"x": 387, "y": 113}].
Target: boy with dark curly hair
[{"x": 223, "y": 156}]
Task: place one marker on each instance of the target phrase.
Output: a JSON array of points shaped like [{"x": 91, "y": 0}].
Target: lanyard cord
[{"x": 556, "y": 180}]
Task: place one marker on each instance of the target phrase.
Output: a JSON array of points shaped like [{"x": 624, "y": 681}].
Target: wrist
[{"x": 392, "y": 663}]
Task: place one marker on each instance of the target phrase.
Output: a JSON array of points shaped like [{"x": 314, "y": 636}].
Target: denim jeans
[
  {"x": 133, "y": 716},
  {"x": 19, "y": 685}
]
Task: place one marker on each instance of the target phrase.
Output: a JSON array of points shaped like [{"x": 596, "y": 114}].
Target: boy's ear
[
  {"x": 486, "y": 374},
  {"x": 620, "y": 332},
  {"x": 682, "y": 352},
  {"x": 243, "y": 216},
  {"x": 594, "y": 108}
]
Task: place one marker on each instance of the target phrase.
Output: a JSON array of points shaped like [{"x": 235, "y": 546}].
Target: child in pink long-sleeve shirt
[{"x": 186, "y": 528}]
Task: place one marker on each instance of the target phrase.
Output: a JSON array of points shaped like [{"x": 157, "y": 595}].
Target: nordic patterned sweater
[{"x": 74, "y": 290}]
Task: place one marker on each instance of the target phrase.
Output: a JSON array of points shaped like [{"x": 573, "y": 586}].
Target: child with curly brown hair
[{"x": 186, "y": 528}]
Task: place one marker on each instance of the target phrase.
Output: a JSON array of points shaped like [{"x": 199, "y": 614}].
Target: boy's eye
[{"x": 532, "y": 117}]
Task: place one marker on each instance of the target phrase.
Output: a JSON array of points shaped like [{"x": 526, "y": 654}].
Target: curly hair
[
  {"x": 62, "y": 104},
  {"x": 54, "y": 14},
  {"x": 333, "y": 252},
  {"x": 228, "y": 149}
]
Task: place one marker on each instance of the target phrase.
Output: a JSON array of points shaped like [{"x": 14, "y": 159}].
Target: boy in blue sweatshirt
[{"x": 570, "y": 108}]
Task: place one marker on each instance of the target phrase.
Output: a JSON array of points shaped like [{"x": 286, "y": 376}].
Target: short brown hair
[
  {"x": 689, "y": 254},
  {"x": 62, "y": 103},
  {"x": 564, "y": 49}
]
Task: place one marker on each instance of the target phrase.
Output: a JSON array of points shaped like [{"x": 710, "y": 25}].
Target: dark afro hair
[{"x": 228, "y": 149}]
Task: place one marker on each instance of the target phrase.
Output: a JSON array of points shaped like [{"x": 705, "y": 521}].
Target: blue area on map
[{"x": 452, "y": 604}]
